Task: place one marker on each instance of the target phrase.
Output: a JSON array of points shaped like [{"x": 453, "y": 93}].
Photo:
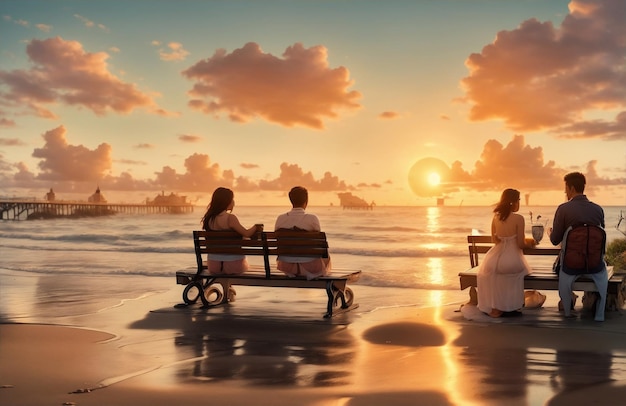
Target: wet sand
[{"x": 274, "y": 348}]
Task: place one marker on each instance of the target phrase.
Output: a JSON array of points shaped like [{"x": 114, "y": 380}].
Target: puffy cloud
[
  {"x": 292, "y": 175},
  {"x": 247, "y": 165},
  {"x": 244, "y": 184},
  {"x": 5, "y": 166},
  {"x": 593, "y": 179},
  {"x": 175, "y": 52},
  {"x": 125, "y": 182},
  {"x": 515, "y": 164},
  {"x": 63, "y": 162},
  {"x": 143, "y": 146},
  {"x": 23, "y": 176},
  {"x": 63, "y": 72},
  {"x": 541, "y": 77},
  {"x": 200, "y": 175},
  {"x": 298, "y": 89}
]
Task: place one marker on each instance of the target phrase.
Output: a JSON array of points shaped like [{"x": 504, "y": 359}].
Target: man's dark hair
[
  {"x": 577, "y": 180},
  {"x": 299, "y": 196}
]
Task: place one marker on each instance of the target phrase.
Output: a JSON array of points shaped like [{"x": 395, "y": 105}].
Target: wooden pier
[{"x": 14, "y": 209}]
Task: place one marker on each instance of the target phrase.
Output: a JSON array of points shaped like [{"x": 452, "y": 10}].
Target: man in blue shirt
[{"x": 578, "y": 209}]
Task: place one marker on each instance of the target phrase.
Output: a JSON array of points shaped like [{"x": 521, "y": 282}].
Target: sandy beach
[{"x": 272, "y": 347}]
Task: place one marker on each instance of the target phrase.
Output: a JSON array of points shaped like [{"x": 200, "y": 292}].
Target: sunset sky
[{"x": 397, "y": 102}]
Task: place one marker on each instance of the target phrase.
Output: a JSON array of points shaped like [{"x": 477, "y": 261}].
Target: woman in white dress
[{"x": 500, "y": 277}]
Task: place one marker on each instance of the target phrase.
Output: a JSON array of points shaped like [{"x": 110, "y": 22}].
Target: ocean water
[{"x": 124, "y": 256}]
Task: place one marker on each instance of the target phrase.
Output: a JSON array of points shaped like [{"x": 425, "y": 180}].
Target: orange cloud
[
  {"x": 11, "y": 142},
  {"x": 388, "y": 115},
  {"x": 615, "y": 130},
  {"x": 131, "y": 162},
  {"x": 23, "y": 176},
  {"x": 298, "y": 89},
  {"x": 77, "y": 169},
  {"x": 515, "y": 165},
  {"x": 292, "y": 175},
  {"x": 189, "y": 138},
  {"x": 541, "y": 77},
  {"x": 64, "y": 162},
  {"x": 5, "y": 122},
  {"x": 200, "y": 175},
  {"x": 63, "y": 72}
]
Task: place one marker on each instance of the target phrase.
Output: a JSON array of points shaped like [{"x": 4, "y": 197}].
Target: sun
[
  {"x": 428, "y": 176},
  {"x": 434, "y": 179}
]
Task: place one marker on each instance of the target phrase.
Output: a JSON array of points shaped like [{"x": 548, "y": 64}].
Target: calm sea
[{"x": 400, "y": 247}]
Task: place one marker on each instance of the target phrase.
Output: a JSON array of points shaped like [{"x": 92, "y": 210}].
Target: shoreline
[{"x": 274, "y": 348}]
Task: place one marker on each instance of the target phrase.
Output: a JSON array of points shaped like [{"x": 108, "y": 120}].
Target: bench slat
[
  {"x": 480, "y": 244},
  {"x": 543, "y": 279}
]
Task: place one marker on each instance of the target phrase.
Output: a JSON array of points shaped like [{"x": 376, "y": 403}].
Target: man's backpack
[{"x": 583, "y": 249}]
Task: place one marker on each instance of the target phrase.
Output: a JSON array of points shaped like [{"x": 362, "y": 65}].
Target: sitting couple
[{"x": 219, "y": 217}]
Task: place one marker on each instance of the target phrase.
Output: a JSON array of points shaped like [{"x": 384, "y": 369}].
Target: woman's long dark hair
[
  {"x": 507, "y": 200},
  {"x": 219, "y": 202}
]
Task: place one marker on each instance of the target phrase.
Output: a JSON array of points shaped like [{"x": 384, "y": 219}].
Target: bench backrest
[
  {"x": 282, "y": 242},
  {"x": 226, "y": 242},
  {"x": 480, "y": 244},
  {"x": 297, "y": 243}
]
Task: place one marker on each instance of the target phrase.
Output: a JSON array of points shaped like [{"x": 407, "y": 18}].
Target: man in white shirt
[{"x": 298, "y": 219}]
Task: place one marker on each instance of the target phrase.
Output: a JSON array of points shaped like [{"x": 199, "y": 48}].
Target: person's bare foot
[{"x": 495, "y": 313}]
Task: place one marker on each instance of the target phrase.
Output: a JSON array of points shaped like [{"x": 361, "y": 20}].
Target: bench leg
[
  {"x": 195, "y": 289},
  {"x": 192, "y": 292},
  {"x": 330, "y": 292},
  {"x": 346, "y": 296}
]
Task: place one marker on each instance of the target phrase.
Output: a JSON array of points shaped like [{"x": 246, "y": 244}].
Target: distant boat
[{"x": 349, "y": 201}]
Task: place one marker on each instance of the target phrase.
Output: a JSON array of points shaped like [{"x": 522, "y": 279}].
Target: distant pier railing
[{"x": 28, "y": 209}]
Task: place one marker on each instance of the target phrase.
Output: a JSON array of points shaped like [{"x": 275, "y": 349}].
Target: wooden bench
[
  {"x": 541, "y": 277},
  {"x": 216, "y": 290}
]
